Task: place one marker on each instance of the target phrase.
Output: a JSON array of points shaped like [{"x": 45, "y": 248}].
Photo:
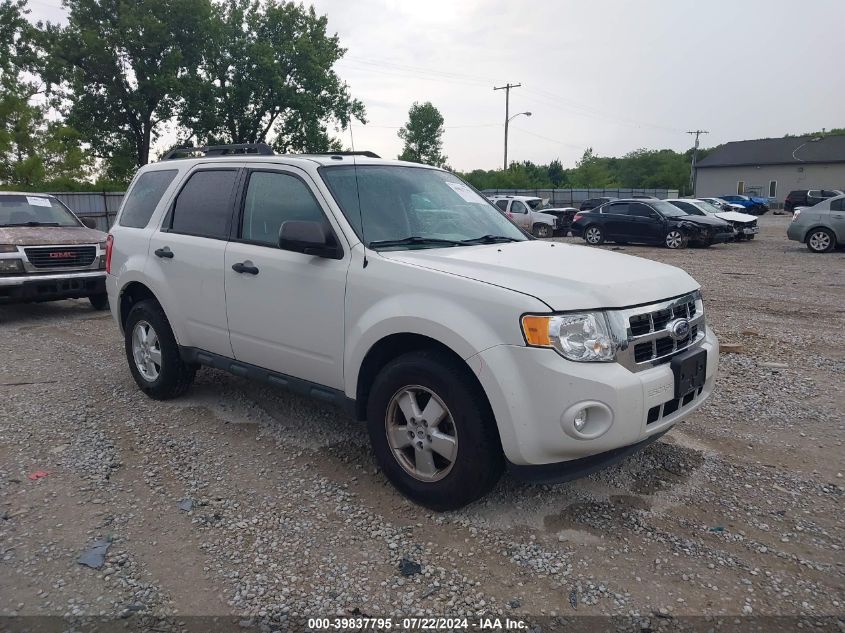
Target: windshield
[
  {"x": 536, "y": 204},
  {"x": 22, "y": 210},
  {"x": 709, "y": 207},
  {"x": 667, "y": 209},
  {"x": 423, "y": 208}
]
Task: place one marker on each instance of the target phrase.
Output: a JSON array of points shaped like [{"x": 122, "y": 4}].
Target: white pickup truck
[
  {"x": 398, "y": 292},
  {"x": 526, "y": 212}
]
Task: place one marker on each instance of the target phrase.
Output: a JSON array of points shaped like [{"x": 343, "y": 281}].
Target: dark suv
[
  {"x": 807, "y": 197},
  {"x": 649, "y": 222},
  {"x": 592, "y": 203}
]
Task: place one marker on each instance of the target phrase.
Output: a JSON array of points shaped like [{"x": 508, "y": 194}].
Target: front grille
[
  {"x": 649, "y": 341},
  {"x": 61, "y": 256}
]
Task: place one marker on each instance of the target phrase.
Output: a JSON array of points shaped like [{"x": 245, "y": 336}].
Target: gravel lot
[{"x": 244, "y": 501}]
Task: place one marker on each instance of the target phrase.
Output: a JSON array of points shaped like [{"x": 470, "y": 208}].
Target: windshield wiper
[
  {"x": 413, "y": 241},
  {"x": 490, "y": 239},
  {"x": 32, "y": 223}
]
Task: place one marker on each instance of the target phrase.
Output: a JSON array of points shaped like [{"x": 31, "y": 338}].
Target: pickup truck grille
[
  {"x": 61, "y": 256},
  {"x": 651, "y": 339}
]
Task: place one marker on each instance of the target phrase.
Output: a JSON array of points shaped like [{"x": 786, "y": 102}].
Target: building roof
[{"x": 791, "y": 150}]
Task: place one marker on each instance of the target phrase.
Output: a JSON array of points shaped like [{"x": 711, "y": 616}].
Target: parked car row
[{"x": 663, "y": 222}]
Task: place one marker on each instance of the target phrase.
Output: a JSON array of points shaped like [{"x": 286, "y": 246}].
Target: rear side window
[
  {"x": 144, "y": 197},
  {"x": 273, "y": 198},
  {"x": 616, "y": 208},
  {"x": 502, "y": 204},
  {"x": 204, "y": 206}
]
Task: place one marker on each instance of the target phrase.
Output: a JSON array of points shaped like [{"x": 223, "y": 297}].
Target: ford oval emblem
[{"x": 678, "y": 329}]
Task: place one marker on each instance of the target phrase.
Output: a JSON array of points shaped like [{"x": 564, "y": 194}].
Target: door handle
[
  {"x": 244, "y": 267},
  {"x": 164, "y": 252}
]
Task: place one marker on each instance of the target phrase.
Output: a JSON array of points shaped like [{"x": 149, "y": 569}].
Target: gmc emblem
[{"x": 62, "y": 254}]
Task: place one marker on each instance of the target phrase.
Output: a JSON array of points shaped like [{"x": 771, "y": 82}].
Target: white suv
[{"x": 399, "y": 292}]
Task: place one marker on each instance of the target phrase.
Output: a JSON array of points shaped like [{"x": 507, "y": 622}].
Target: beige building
[{"x": 772, "y": 167}]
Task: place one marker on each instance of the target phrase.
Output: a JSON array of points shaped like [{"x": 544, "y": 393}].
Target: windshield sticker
[
  {"x": 38, "y": 202},
  {"x": 464, "y": 192}
]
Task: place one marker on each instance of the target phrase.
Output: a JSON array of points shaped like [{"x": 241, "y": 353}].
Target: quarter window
[
  {"x": 273, "y": 198},
  {"x": 837, "y": 205},
  {"x": 204, "y": 206},
  {"x": 144, "y": 197}
]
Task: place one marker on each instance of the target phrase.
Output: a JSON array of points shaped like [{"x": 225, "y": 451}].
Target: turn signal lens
[{"x": 536, "y": 330}]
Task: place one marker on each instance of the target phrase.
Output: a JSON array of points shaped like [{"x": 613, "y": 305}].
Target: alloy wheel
[
  {"x": 593, "y": 235},
  {"x": 146, "y": 350},
  {"x": 421, "y": 433},
  {"x": 674, "y": 239},
  {"x": 819, "y": 241}
]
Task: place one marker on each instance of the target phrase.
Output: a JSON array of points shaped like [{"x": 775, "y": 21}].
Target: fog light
[{"x": 580, "y": 420}]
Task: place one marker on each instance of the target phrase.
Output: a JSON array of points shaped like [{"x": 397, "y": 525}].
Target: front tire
[
  {"x": 153, "y": 354},
  {"x": 542, "y": 230},
  {"x": 593, "y": 235},
  {"x": 100, "y": 301},
  {"x": 821, "y": 241},
  {"x": 675, "y": 239},
  {"x": 432, "y": 432}
]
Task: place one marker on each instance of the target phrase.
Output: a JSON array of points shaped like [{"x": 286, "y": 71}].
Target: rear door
[
  {"x": 186, "y": 256},
  {"x": 616, "y": 222},
  {"x": 286, "y": 313}
]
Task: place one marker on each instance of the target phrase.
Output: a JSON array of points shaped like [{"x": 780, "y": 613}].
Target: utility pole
[
  {"x": 694, "y": 157},
  {"x": 507, "y": 89}
]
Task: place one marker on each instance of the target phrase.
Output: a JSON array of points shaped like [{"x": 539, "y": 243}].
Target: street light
[{"x": 507, "y": 122}]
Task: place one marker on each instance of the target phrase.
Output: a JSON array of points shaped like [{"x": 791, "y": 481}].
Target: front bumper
[
  {"x": 51, "y": 287},
  {"x": 752, "y": 230},
  {"x": 533, "y": 391}
]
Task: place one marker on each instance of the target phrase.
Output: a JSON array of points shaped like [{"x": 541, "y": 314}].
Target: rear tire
[
  {"x": 153, "y": 354},
  {"x": 821, "y": 240},
  {"x": 100, "y": 301},
  {"x": 452, "y": 459},
  {"x": 593, "y": 235}
]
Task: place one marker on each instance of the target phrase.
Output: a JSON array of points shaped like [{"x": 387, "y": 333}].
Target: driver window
[
  {"x": 273, "y": 198},
  {"x": 518, "y": 207},
  {"x": 642, "y": 211}
]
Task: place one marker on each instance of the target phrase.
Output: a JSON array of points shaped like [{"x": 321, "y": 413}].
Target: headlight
[
  {"x": 580, "y": 337},
  {"x": 8, "y": 248},
  {"x": 10, "y": 266}
]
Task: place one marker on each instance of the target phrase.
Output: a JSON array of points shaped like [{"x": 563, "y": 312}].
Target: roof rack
[
  {"x": 366, "y": 153},
  {"x": 220, "y": 150}
]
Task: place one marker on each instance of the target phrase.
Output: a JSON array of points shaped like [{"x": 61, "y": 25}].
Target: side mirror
[
  {"x": 91, "y": 223},
  {"x": 309, "y": 238}
]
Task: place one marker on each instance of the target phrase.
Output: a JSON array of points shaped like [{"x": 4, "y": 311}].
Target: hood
[
  {"x": 40, "y": 235},
  {"x": 540, "y": 215},
  {"x": 563, "y": 276},
  {"x": 709, "y": 220},
  {"x": 733, "y": 216}
]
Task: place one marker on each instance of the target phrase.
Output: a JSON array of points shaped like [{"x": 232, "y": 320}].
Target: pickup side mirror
[
  {"x": 309, "y": 238},
  {"x": 91, "y": 223}
]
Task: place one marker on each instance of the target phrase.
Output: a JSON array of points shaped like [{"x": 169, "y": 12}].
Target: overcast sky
[{"x": 615, "y": 75}]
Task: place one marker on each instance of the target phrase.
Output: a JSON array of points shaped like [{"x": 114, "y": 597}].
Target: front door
[
  {"x": 837, "y": 218},
  {"x": 285, "y": 309},
  {"x": 519, "y": 214},
  {"x": 649, "y": 226}
]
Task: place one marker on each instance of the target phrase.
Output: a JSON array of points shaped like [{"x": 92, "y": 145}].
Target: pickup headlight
[
  {"x": 582, "y": 337},
  {"x": 11, "y": 266}
]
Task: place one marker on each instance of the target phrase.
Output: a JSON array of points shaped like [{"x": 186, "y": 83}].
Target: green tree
[
  {"x": 34, "y": 152},
  {"x": 591, "y": 172},
  {"x": 423, "y": 135},
  {"x": 121, "y": 65},
  {"x": 266, "y": 73}
]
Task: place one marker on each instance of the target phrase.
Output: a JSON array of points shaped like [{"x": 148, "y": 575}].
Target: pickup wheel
[
  {"x": 100, "y": 301},
  {"x": 431, "y": 432},
  {"x": 153, "y": 354},
  {"x": 820, "y": 240},
  {"x": 542, "y": 230},
  {"x": 594, "y": 235}
]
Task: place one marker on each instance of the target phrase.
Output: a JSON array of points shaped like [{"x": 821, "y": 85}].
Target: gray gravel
[{"x": 244, "y": 501}]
